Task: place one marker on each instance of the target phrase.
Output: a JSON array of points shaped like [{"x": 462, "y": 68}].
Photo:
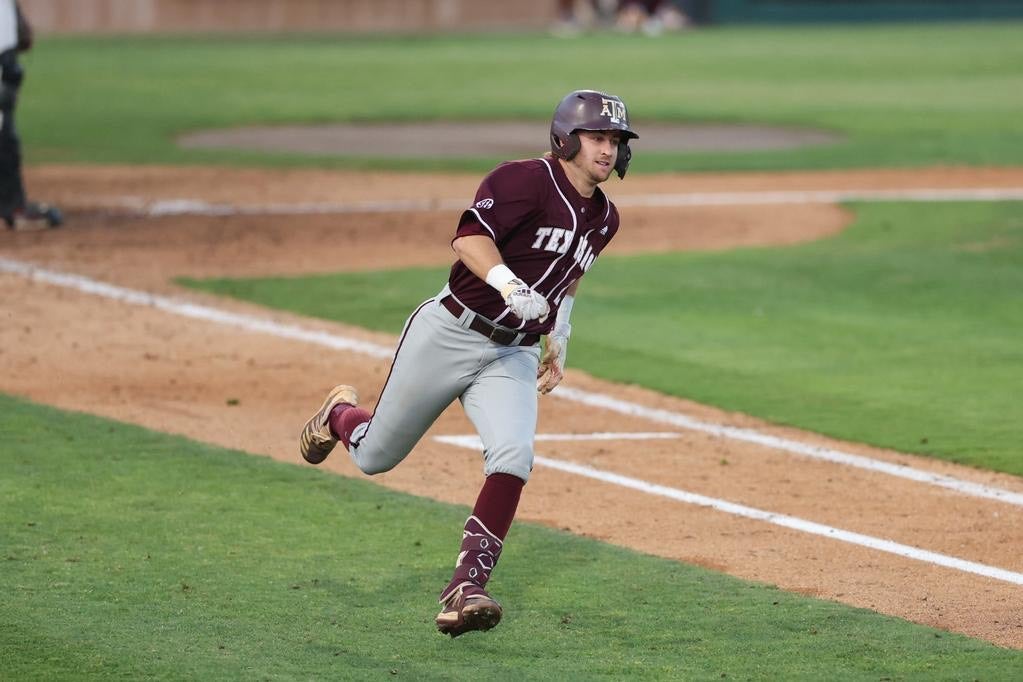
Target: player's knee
[
  {"x": 372, "y": 458},
  {"x": 375, "y": 467},
  {"x": 515, "y": 459},
  {"x": 373, "y": 461}
]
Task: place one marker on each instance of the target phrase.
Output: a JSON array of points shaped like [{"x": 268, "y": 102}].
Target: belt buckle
[{"x": 494, "y": 333}]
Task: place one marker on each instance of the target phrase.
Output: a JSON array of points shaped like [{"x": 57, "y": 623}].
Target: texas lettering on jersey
[
  {"x": 547, "y": 233},
  {"x": 558, "y": 239}
]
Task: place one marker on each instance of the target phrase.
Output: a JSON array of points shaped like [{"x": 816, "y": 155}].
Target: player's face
[{"x": 597, "y": 154}]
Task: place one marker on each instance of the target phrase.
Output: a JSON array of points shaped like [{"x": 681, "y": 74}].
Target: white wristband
[
  {"x": 565, "y": 309},
  {"x": 500, "y": 276}
]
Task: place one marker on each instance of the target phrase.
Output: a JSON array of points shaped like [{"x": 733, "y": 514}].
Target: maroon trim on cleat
[
  {"x": 468, "y": 608},
  {"x": 316, "y": 440}
]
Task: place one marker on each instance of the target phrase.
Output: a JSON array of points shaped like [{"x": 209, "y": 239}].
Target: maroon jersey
[{"x": 547, "y": 233}]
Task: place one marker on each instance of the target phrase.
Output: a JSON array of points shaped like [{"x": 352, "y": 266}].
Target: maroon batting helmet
[{"x": 590, "y": 110}]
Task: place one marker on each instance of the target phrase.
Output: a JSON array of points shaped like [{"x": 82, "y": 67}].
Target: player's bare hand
[
  {"x": 552, "y": 364},
  {"x": 524, "y": 302}
]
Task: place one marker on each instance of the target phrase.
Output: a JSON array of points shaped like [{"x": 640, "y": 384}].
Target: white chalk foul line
[
  {"x": 471, "y": 441},
  {"x": 819, "y": 197},
  {"x": 171, "y": 207},
  {"x": 813, "y": 451},
  {"x": 625, "y": 435},
  {"x": 783, "y": 520},
  {"x": 337, "y": 342},
  {"x": 194, "y": 310}
]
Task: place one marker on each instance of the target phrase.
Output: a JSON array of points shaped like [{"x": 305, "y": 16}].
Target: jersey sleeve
[{"x": 507, "y": 198}]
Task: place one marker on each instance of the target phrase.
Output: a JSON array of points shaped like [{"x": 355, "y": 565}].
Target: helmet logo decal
[
  {"x": 614, "y": 109},
  {"x": 485, "y": 203}
]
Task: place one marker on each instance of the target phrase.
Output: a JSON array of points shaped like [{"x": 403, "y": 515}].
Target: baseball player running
[{"x": 533, "y": 230}]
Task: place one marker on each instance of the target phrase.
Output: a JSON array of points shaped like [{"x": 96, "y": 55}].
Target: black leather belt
[{"x": 505, "y": 337}]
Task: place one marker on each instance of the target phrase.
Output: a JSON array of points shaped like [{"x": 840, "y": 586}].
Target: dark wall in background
[
  {"x": 425, "y": 16},
  {"x": 784, "y": 11}
]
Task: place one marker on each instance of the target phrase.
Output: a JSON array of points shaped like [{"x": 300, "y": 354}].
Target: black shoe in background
[{"x": 33, "y": 214}]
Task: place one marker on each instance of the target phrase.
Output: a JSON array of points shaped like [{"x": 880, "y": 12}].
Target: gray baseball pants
[{"x": 439, "y": 359}]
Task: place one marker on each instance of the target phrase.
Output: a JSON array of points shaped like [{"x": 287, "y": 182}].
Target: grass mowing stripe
[
  {"x": 941, "y": 93},
  {"x": 130, "y": 553}
]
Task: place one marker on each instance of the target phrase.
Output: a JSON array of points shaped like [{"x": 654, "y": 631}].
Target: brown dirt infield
[{"x": 253, "y": 392}]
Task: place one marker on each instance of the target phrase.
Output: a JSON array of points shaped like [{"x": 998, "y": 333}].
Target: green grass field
[
  {"x": 128, "y": 554},
  {"x": 159, "y": 558},
  {"x": 901, "y": 332},
  {"x": 903, "y": 95}
]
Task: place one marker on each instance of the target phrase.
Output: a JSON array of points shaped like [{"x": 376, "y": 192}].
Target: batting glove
[
  {"x": 552, "y": 365},
  {"x": 524, "y": 302}
]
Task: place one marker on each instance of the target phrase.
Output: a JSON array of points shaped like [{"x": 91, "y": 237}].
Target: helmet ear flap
[
  {"x": 624, "y": 157},
  {"x": 567, "y": 149}
]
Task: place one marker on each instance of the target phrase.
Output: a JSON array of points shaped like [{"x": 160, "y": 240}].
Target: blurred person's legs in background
[
  {"x": 577, "y": 16},
  {"x": 653, "y": 17}
]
